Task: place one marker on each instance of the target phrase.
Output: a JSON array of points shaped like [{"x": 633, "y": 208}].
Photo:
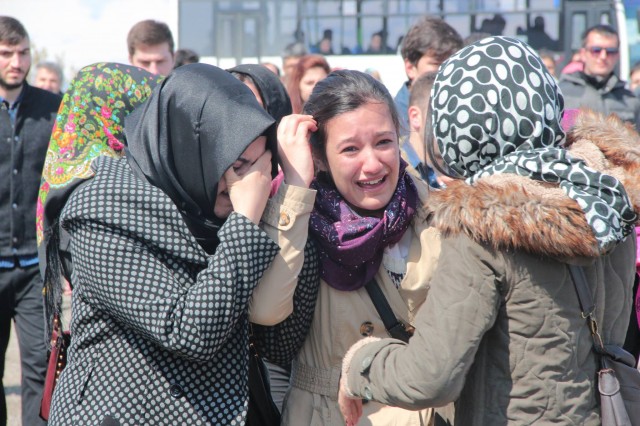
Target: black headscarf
[
  {"x": 274, "y": 95},
  {"x": 192, "y": 129}
]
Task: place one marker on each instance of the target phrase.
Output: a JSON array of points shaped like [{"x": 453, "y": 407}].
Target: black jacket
[{"x": 23, "y": 148}]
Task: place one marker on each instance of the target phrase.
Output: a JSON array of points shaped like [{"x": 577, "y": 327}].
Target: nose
[
  {"x": 371, "y": 164},
  {"x": 153, "y": 68},
  {"x": 16, "y": 59}
]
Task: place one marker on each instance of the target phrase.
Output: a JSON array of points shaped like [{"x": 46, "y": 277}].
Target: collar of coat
[{"x": 511, "y": 212}]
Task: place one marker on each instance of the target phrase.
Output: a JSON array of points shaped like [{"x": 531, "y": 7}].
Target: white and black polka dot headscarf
[{"x": 496, "y": 109}]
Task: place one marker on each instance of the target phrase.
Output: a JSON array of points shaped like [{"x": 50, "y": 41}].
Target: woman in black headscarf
[
  {"x": 266, "y": 86},
  {"x": 167, "y": 252},
  {"x": 272, "y": 95}
]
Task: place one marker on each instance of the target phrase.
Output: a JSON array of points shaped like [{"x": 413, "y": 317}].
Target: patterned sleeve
[
  {"x": 280, "y": 343},
  {"x": 184, "y": 310}
]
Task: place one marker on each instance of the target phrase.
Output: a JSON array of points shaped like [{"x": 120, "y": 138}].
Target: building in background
[{"x": 226, "y": 32}]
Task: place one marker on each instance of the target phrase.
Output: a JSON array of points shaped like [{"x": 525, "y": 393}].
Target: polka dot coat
[{"x": 159, "y": 328}]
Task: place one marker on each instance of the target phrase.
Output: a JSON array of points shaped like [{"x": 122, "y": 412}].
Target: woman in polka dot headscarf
[{"x": 501, "y": 332}]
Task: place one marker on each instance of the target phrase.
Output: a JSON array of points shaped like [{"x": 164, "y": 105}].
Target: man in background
[
  {"x": 49, "y": 77},
  {"x": 597, "y": 86},
  {"x": 427, "y": 44},
  {"x": 27, "y": 115},
  {"x": 151, "y": 47},
  {"x": 412, "y": 146}
]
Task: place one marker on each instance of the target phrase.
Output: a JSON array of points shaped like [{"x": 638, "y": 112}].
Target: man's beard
[{"x": 12, "y": 86}]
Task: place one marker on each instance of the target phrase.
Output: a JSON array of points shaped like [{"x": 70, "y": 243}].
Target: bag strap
[
  {"x": 392, "y": 324},
  {"x": 587, "y": 305}
]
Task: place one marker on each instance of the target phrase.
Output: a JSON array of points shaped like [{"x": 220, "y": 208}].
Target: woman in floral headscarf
[
  {"x": 90, "y": 124},
  {"x": 501, "y": 332}
]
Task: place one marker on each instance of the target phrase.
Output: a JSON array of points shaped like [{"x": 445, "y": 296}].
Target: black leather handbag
[
  {"x": 618, "y": 377},
  {"x": 262, "y": 410}
]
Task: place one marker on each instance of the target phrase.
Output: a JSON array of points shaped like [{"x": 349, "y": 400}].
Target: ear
[
  {"x": 410, "y": 69},
  {"x": 583, "y": 54},
  {"x": 415, "y": 118}
]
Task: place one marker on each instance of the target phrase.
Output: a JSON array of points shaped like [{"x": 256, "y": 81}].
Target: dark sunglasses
[{"x": 596, "y": 50}]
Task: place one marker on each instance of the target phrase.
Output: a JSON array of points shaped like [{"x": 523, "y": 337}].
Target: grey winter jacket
[{"x": 612, "y": 98}]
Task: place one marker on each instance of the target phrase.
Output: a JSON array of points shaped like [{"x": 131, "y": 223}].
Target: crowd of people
[{"x": 391, "y": 260}]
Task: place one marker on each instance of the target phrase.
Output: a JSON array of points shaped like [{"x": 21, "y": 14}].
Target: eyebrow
[
  {"x": 243, "y": 160},
  {"x": 6, "y": 50},
  {"x": 381, "y": 133}
]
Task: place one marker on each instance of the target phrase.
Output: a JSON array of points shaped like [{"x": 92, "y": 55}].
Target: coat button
[
  {"x": 366, "y": 363},
  {"x": 366, "y": 328},
  {"x": 176, "y": 391},
  {"x": 284, "y": 219},
  {"x": 367, "y": 394}
]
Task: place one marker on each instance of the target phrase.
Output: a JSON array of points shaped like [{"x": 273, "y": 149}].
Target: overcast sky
[{"x": 81, "y": 32}]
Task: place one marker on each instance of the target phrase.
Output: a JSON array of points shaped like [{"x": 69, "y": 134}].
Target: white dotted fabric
[
  {"x": 492, "y": 98},
  {"x": 160, "y": 329},
  {"x": 496, "y": 109}
]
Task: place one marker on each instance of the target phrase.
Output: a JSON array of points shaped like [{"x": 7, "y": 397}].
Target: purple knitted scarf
[{"x": 351, "y": 246}]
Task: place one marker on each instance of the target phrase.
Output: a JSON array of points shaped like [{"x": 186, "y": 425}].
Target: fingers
[
  {"x": 263, "y": 163},
  {"x": 351, "y": 411},
  {"x": 294, "y": 133},
  {"x": 350, "y": 408},
  {"x": 296, "y": 128},
  {"x": 249, "y": 192}
]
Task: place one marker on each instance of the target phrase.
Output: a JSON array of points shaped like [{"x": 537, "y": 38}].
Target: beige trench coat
[{"x": 342, "y": 318}]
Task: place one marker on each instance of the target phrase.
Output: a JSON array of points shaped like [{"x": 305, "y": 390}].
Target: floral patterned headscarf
[{"x": 89, "y": 124}]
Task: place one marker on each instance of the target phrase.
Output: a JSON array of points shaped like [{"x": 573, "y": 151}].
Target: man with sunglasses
[{"x": 597, "y": 86}]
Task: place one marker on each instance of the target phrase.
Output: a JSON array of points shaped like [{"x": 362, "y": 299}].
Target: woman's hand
[
  {"x": 249, "y": 191},
  {"x": 350, "y": 408},
  {"x": 294, "y": 149}
]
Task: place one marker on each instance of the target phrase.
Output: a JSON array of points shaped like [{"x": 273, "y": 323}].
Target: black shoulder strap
[
  {"x": 395, "y": 327},
  {"x": 582, "y": 289},
  {"x": 586, "y": 305}
]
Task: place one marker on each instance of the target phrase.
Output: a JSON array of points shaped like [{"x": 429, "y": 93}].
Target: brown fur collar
[{"x": 514, "y": 212}]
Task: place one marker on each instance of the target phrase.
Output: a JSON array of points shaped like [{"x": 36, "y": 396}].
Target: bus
[{"x": 229, "y": 32}]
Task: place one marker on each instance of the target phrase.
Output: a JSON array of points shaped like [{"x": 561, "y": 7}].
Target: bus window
[
  {"x": 195, "y": 26},
  {"x": 578, "y": 27}
]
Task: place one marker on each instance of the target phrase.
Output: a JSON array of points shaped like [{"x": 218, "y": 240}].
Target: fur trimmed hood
[{"x": 514, "y": 212}]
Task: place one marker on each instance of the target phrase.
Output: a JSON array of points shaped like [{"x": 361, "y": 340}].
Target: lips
[{"x": 372, "y": 184}]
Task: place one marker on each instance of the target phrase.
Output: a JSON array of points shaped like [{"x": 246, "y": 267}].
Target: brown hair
[
  {"x": 420, "y": 91},
  {"x": 150, "y": 33},
  {"x": 602, "y": 29},
  {"x": 430, "y": 35},
  {"x": 11, "y": 31},
  {"x": 293, "y": 83}
]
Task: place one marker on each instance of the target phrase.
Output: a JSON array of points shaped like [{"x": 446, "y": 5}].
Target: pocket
[{"x": 81, "y": 374}]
